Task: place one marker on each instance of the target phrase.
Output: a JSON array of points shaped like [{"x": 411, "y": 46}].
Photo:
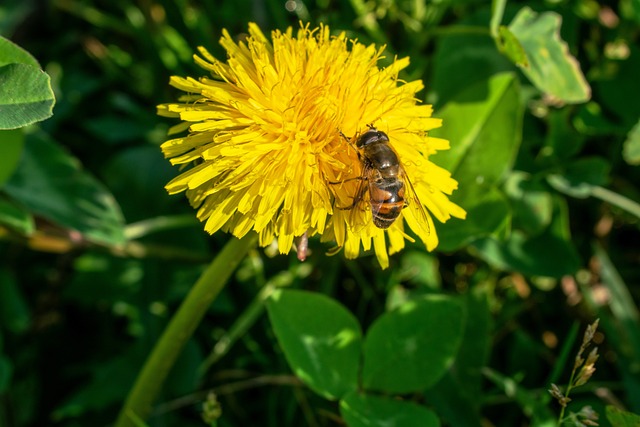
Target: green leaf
[
  {"x": 631, "y": 148},
  {"x": 484, "y": 125},
  {"x": 488, "y": 117},
  {"x": 552, "y": 69},
  {"x": 16, "y": 217},
  {"x": 463, "y": 60},
  {"x": 362, "y": 410},
  {"x": 455, "y": 396},
  {"x": 10, "y": 152},
  {"x": 26, "y": 96},
  {"x": 410, "y": 348},
  {"x": 511, "y": 47},
  {"x": 543, "y": 255},
  {"x": 14, "y": 312},
  {"x": 488, "y": 214},
  {"x": 11, "y": 53},
  {"x": 620, "y": 418},
  {"x": 550, "y": 253},
  {"x": 531, "y": 202},
  {"x": 476, "y": 343},
  {"x": 320, "y": 339},
  {"x": 52, "y": 184}
]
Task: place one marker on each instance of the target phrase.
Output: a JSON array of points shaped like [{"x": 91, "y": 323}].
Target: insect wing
[{"x": 416, "y": 206}]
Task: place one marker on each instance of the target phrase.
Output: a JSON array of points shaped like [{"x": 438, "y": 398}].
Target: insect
[{"x": 384, "y": 178}]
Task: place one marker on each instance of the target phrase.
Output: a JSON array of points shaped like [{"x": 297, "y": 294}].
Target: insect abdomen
[{"x": 387, "y": 201}]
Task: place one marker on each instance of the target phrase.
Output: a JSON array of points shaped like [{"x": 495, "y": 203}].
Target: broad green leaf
[
  {"x": 320, "y": 339},
  {"x": 11, "y": 143},
  {"x": 26, "y": 96},
  {"x": 620, "y": 418},
  {"x": 485, "y": 140},
  {"x": 51, "y": 183},
  {"x": 550, "y": 253},
  {"x": 453, "y": 404},
  {"x": 410, "y": 348},
  {"x": 552, "y": 69},
  {"x": 631, "y": 148},
  {"x": 16, "y": 217},
  {"x": 476, "y": 342},
  {"x": 484, "y": 125},
  {"x": 455, "y": 396},
  {"x": 363, "y": 410},
  {"x": 543, "y": 255},
  {"x": 11, "y": 53},
  {"x": 14, "y": 312},
  {"x": 464, "y": 60},
  {"x": 488, "y": 214},
  {"x": 512, "y": 48},
  {"x": 531, "y": 202}
]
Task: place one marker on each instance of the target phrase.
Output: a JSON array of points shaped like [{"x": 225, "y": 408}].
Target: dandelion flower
[{"x": 264, "y": 147}]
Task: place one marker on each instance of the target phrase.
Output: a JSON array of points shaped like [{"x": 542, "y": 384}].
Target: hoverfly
[{"x": 384, "y": 178}]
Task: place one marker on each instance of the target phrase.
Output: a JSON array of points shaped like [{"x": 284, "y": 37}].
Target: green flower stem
[{"x": 181, "y": 327}]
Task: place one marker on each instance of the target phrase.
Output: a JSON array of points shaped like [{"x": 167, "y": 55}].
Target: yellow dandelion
[{"x": 274, "y": 142}]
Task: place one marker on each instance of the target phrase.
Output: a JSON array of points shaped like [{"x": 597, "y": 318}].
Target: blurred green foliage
[{"x": 538, "y": 101}]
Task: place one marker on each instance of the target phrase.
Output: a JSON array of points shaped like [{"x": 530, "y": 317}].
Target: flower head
[{"x": 266, "y": 149}]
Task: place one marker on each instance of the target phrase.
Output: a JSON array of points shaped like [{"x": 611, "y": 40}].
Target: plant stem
[
  {"x": 566, "y": 394},
  {"x": 180, "y": 328},
  {"x": 242, "y": 324},
  {"x": 616, "y": 200}
]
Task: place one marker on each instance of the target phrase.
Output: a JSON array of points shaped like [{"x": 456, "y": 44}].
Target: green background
[{"x": 539, "y": 101}]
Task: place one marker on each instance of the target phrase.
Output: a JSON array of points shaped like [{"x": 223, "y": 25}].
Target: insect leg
[{"x": 359, "y": 193}]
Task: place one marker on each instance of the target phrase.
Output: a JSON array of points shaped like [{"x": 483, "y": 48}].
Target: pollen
[{"x": 264, "y": 141}]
